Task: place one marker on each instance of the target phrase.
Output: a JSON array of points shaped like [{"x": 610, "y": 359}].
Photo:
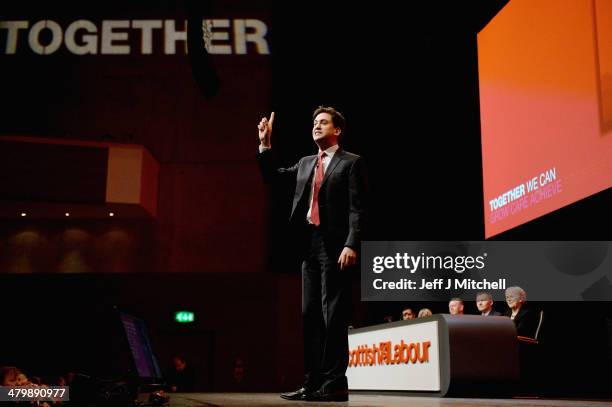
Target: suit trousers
[{"x": 325, "y": 310}]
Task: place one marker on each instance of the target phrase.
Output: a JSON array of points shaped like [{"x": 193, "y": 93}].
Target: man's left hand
[{"x": 347, "y": 258}]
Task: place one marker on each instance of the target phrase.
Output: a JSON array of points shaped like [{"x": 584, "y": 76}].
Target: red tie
[{"x": 314, "y": 213}]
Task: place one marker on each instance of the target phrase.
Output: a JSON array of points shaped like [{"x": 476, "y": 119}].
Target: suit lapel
[
  {"x": 305, "y": 176},
  {"x": 338, "y": 156}
]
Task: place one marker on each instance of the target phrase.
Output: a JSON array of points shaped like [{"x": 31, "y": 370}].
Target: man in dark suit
[
  {"x": 484, "y": 303},
  {"x": 328, "y": 212}
]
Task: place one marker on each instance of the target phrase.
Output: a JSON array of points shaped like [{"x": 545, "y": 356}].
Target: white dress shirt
[{"x": 329, "y": 154}]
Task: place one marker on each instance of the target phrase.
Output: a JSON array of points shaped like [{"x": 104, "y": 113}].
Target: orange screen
[{"x": 545, "y": 74}]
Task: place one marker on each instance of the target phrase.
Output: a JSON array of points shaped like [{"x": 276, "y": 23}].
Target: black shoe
[
  {"x": 296, "y": 395},
  {"x": 320, "y": 395}
]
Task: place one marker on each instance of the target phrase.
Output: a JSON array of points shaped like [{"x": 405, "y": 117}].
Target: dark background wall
[
  {"x": 196, "y": 115},
  {"x": 407, "y": 82}
]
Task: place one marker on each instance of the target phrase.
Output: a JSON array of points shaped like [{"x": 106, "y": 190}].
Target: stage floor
[{"x": 362, "y": 400}]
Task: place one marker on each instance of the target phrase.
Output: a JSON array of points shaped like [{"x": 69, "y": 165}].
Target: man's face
[
  {"x": 483, "y": 303},
  {"x": 179, "y": 364},
  {"x": 323, "y": 128},
  {"x": 455, "y": 307},
  {"x": 407, "y": 314}
]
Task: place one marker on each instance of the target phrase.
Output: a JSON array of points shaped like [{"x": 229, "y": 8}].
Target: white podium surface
[{"x": 437, "y": 355}]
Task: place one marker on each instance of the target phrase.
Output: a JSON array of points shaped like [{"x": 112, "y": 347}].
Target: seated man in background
[
  {"x": 407, "y": 313},
  {"x": 180, "y": 376},
  {"x": 484, "y": 303},
  {"x": 455, "y": 306}
]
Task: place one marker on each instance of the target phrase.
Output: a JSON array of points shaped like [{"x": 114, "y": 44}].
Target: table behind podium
[{"x": 441, "y": 355}]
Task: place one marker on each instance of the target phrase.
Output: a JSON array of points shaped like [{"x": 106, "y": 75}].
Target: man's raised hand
[{"x": 265, "y": 131}]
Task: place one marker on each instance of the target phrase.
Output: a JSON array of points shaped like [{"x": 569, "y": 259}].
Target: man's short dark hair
[
  {"x": 337, "y": 118},
  {"x": 456, "y": 299}
]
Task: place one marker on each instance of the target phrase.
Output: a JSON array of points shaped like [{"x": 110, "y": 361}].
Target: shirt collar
[{"x": 331, "y": 151}]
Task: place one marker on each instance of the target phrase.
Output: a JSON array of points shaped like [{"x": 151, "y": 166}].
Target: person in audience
[
  {"x": 525, "y": 319},
  {"x": 22, "y": 380},
  {"x": 484, "y": 303},
  {"x": 407, "y": 313},
  {"x": 239, "y": 371},
  {"x": 180, "y": 376},
  {"x": 9, "y": 375},
  {"x": 37, "y": 380},
  {"x": 455, "y": 306},
  {"x": 425, "y": 312},
  {"x": 57, "y": 381}
]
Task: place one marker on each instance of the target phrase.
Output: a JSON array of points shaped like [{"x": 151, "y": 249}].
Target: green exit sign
[{"x": 184, "y": 317}]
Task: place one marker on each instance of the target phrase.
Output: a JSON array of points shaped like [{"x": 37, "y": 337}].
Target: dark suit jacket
[
  {"x": 526, "y": 321},
  {"x": 341, "y": 197},
  {"x": 494, "y": 313}
]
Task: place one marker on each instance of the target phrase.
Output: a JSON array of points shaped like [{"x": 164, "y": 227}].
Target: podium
[{"x": 441, "y": 355}]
